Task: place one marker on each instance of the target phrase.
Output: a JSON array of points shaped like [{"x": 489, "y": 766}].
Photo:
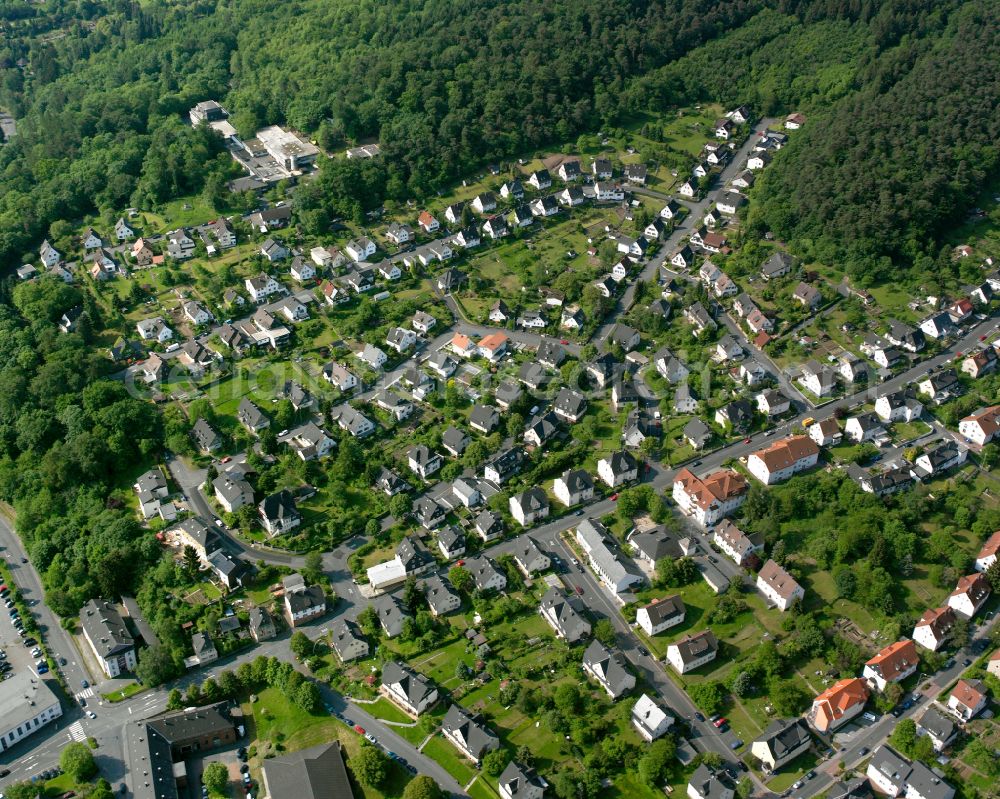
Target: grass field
[
  {"x": 447, "y": 756},
  {"x": 384, "y": 709}
]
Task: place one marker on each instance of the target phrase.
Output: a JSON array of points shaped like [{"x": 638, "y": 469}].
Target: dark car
[
  {"x": 967, "y": 662},
  {"x": 699, "y": 716},
  {"x": 33, "y": 642},
  {"x": 4, "y": 772},
  {"x": 864, "y": 750}
]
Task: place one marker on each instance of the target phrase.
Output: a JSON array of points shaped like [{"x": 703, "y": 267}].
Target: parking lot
[
  {"x": 17, "y": 658},
  {"x": 234, "y": 761}
]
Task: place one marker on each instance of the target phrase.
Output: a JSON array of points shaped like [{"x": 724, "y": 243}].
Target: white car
[{"x": 91, "y": 714}]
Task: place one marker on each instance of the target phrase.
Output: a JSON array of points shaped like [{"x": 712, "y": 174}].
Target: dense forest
[
  {"x": 891, "y": 167},
  {"x": 446, "y": 87}
]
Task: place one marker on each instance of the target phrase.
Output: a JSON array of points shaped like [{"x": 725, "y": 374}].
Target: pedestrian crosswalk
[
  {"x": 76, "y": 732},
  {"x": 85, "y": 693}
]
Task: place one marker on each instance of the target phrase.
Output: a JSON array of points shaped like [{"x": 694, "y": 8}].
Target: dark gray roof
[
  {"x": 199, "y": 722},
  {"x": 656, "y": 545},
  {"x": 105, "y": 627},
  {"x": 416, "y": 687},
  {"x": 519, "y": 780},
  {"x": 570, "y": 623},
  {"x": 938, "y": 724},
  {"x": 470, "y": 730},
  {"x": 664, "y": 609},
  {"x": 314, "y": 773},
  {"x": 610, "y": 664},
  {"x": 413, "y": 554},
  {"x": 280, "y": 505},
  {"x": 785, "y": 736}
]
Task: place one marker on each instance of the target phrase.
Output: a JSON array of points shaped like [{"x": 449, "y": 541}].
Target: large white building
[
  {"x": 26, "y": 705},
  {"x": 778, "y": 586},
  {"x": 109, "y": 639},
  {"x": 710, "y": 499},
  {"x": 649, "y": 719},
  {"x": 595, "y": 540},
  {"x": 292, "y": 152},
  {"x": 782, "y": 459}
]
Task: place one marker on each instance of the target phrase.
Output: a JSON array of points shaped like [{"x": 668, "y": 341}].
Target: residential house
[
  {"x": 278, "y": 513},
  {"x": 693, "y": 651},
  {"x": 595, "y": 540},
  {"x": 863, "y": 427},
  {"x": 205, "y": 437},
  {"x": 942, "y": 457},
  {"x": 699, "y": 318},
  {"x": 980, "y": 363},
  {"x": 110, "y": 641},
  {"x": 887, "y": 482},
  {"x": 529, "y": 506},
  {"x": 661, "y": 614},
  {"x": 899, "y": 406},
  {"x": 968, "y": 699},
  {"x": 261, "y": 625},
  {"x": 423, "y": 462},
  {"x": 496, "y": 227},
  {"x": 451, "y": 542},
  {"x": 982, "y": 426},
  {"x": 728, "y": 348},
  {"x": 777, "y": 265},
  {"x": 468, "y": 734},
  {"x": 180, "y": 245},
  {"x": 636, "y": 173},
  {"x": 493, "y": 346},
  {"x": 709, "y": 500},
  {"x": 782, "y": 459},
  {"x": 781, "y": 742},
  {"x": 893, "y": 663},
  {"x": 773, "y": 403},
  {"x": 838, "y": 704},
  {"x": 807, "y": 296},
  {"x": 569, "y": 405},
  {"x": 407, "y": 688},
  {"x": 392, "y": 615},
  {"x": 778, "y": 586},
  {"x": 669, "y": 366},
  {"x": 504, "y": 465},
  {"x": 905, "y": 337},
  {"x": 512, "y": 190},
  {"x": 941, "y": 387},
  {"x": 695, "y": 432},
  {"x": 649, "y": 719},
  {"x": 938, "y": 326},
  {"x": 427, "y": 222},
  {"x": 988, "y": 554},
  {"x": 540, "y": 179},
  {"x": 251, "y": 416},
  {"x": 154, "y": 330},
  {"x": 938, "y": 727},
  {"x": 705, "y": 783},
  {"x": 970, "y": 595},
  {"x": 486, "y": 576},
  {"x": 441, "y": 599},
  {"x": 818, "y": 378},
  {"x": 372, "y": 356},
  {"x": 528, "y": 557},
  {"x": 274, "y": 250},
  {"x": 263, "y": 286},
  {"x": 339, "y": 376},
  {"x": 892, "y": 774},
  {"x": 489, "y": 525},
  {"x": 736, "y": 544},
  {"x": 934, "y": 627},
  {"x": 561, "y": 615},
  {"x": 735, "y": 416},
  {"x": 521, "y": 782},
  {"x": 347, "y": 640},
  {"x": 310, "y": 442},
  {"x": 573, "y": 487},
  {"x": 232, "y": 491},
  {"x": 608, "y": 668},
  {"x": 618, "y": 468}
]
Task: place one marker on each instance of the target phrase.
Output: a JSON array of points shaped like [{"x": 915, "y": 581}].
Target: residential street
[{"x": 688, "y": 225}]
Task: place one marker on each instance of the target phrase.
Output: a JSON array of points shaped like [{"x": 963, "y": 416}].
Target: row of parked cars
[{"x": 372, "y": 740}]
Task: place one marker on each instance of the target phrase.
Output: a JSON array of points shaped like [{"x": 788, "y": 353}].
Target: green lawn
[
  {"x": 382, "y": 708},
  {"x": 447, "y": 756},
  {"x": 129, "y": 690},
  {"x": 482, "y": 789}
]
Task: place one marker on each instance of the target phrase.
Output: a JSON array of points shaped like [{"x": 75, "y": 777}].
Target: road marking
[
  {"x": 86, "y": 692},
  {"x": 76, "y": 732}
]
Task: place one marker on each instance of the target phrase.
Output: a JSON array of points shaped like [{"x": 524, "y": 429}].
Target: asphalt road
[
  {"x": 690, "y": 223},
  {"x": 58, "y": 642}
]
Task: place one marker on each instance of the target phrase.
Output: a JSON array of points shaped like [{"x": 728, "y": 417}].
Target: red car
[
  {"x": 982, "y": 338},
  {"x": 564, "y": 341},
  {"x": 719, "y": 722},
  {"x": 747, "y": 440},
  {"x": 460, "y": 563},
  {"x": 579, "y": 590},
  {"x": 614, "y": 497},
  {"x": 227, "y": 459},
  {"x": 359, "y": 729}
]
